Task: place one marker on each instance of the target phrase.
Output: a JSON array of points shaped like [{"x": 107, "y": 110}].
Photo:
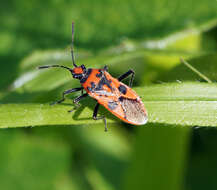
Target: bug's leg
[
  {"x": 100, "y": 117},
  {"x": 105, "y": 68},
  {"x": 65, "y": 93},
  {"x": 76, "y": 102},
  {"x": 125, "y": 75}
]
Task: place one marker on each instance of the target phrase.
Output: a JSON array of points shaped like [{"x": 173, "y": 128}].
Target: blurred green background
[{"x": 176, "y": 150}]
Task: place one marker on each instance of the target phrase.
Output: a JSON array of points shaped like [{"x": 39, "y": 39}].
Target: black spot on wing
[
  {"x": 122, "y": 89},
  {"x": 121, "y": 98},
  {"x": 108, "y": 84},
  {"x": 92, "y": 88},
  {"x": 104, "y": 81},
  {"x": 112, "y": 105},
  {"x": 83, "y": 79},
  {"x": 93, "y": 85},
  {"x": 99, "y": 75}
]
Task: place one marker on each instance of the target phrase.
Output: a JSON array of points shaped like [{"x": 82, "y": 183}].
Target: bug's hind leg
[
  {"x": 76, "y": 102},
  {"x": 67, "y": 92},
  {"x": 95, "y": 112},
  {"x": 125, "y": 75},
  {"x": 106, "y": 68}
]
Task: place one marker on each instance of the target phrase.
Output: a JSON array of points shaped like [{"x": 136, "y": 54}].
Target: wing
[
  {"x": 129, "y": 110},
  {"x": 134, "y": 111},
  {"x": 120, "y": 100}
]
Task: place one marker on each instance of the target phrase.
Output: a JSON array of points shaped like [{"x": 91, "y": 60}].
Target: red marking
[{"x": 78, "y": 70}]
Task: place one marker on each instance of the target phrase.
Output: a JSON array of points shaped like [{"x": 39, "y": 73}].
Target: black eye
[{"x": 78, "y": 76}]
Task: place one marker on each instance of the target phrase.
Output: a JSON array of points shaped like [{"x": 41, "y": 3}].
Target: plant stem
[{"x": 195, "y": 70}]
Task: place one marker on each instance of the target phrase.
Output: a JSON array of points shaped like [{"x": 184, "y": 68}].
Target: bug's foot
[
  {"x": 53, "y": 103},
  {"x": 70, "y": 111},
  {"x": 57, "y": 102},
  {"x": 106, "y": 129},
  {"x": 75, "y": 108},
  {"x": 104, "y": 120}
]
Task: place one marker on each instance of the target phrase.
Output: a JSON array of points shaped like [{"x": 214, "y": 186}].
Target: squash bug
[{"x": 108, "y": 91}]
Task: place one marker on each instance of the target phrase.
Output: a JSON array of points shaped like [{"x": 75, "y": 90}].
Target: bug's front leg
[
  {"x": 67, "y": 92},
  {"x": 95, "y": 112},
  {"x": 76, "y": 102},
  {"x": 125, "y": 75}
]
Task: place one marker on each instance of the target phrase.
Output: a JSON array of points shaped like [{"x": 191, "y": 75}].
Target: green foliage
[
  {"x": 53, "y": 149},
  {"x": 181, "y": 104},
  {"x": 160, "y": 153},
  {"x": 97, "y": 20},
  {"x": 206, "y": 64},
  {"x": 25, "y": 157}
]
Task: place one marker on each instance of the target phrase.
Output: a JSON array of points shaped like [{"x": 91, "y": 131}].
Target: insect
[{"x": 108, "y": 91}]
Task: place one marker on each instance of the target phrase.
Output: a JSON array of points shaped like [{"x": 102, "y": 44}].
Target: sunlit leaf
[{"x": 184, "y": 104}]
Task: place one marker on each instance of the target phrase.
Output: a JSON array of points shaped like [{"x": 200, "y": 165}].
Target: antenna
[
  {"x": 49, "y": 66},
  {"x": 72, "y": 53}
]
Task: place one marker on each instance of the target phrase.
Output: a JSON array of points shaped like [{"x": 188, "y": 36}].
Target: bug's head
[{"x": 79, "y": 72}]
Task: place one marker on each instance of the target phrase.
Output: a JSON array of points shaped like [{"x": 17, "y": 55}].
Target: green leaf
[
  {"x": 159, "y": 158},
  {"x": 25, "y": 156},
  {"x": 185, "y": 104},
  {"x": 91, "y": 148}
]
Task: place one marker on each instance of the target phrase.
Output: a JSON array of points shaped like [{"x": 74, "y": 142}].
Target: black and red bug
[{"x": 110, "y": 92}]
